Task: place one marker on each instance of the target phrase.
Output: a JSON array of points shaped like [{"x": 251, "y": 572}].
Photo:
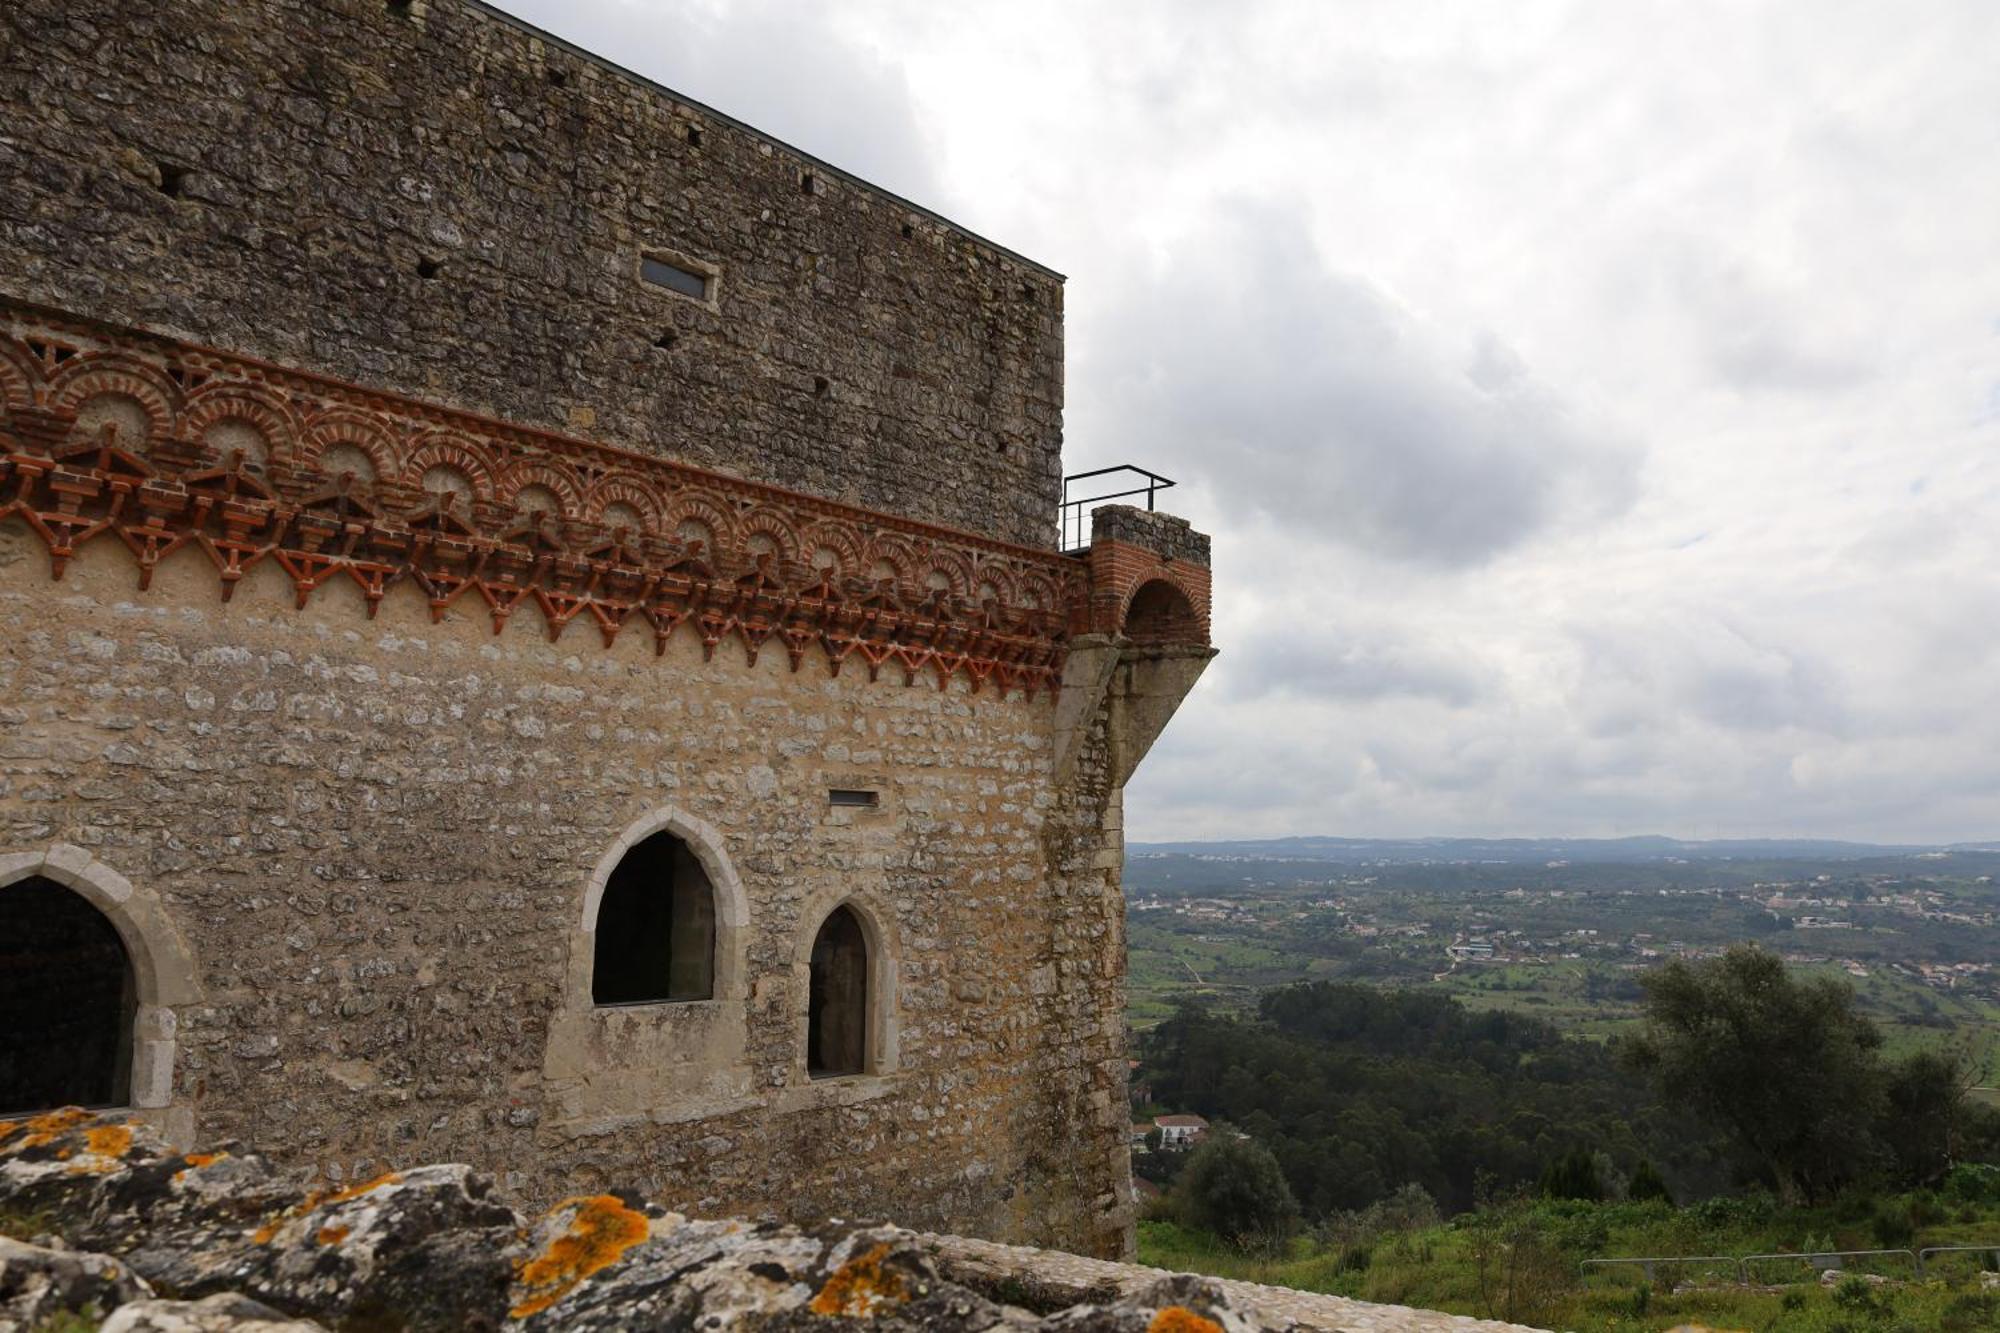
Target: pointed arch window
[
  {"x": 655, "y": 932},
  {"x": 837, "y": 999},
  {"x": 68, "y": 993}
]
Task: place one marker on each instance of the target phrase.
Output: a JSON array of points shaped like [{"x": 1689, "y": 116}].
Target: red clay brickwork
[{"x": 110, "y": 434}]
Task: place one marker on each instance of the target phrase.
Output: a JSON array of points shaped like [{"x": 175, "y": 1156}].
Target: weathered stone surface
[
  {"x": 426, "y": 1249},
  {"x": 39, "y": 1283},
  {"x": 433, "y": 198},
  {"x": 1046, "y": 1279},
  {"x": 223, "y": 1313}
]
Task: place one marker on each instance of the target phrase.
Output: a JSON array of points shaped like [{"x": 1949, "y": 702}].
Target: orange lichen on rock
[
  {"x": 1180, "y": 1319},
  {"x": 332, "y": 1235},
  {"x": 602, "y": 1230},
  {"x": 109, "y": 1140},
  {"x": 860, "y": 1287},
  {"x": 47, "y": 1128},
  {"x": 356, "y": 1191},
  {"x": 196, "y": 1161},
  {"x": 265, "y": 1234}
]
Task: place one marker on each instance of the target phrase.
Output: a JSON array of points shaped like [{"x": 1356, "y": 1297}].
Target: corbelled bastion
[{"x": 534, "y": 636}]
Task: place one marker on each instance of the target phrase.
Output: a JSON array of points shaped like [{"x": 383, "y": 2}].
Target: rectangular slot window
[
  {"x": 848, "y": 796},
  {"x": 662, "y": 273}
]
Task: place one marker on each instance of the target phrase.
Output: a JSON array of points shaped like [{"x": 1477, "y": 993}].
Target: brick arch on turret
[{"x": 1144, "y": 596}]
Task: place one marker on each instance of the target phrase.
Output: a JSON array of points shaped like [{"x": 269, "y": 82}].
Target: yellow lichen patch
[
  {"x": 356, "y": 1191},
  {"x": 1180, "y": 1319},
  {"x": 332, "y": 1235},
  {"x": 196, "y": 1161},
  {"x": 602, "y": 1230},
  {"x": 860, "y": 1287},
  {"x": 109, "y": 1140},
  {"x": 48, "y": 1128},
  {"x": 265, "y": 1234}
]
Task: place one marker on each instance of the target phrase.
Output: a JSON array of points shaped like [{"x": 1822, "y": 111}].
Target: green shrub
[
  {"x": 1574, "y": 1175},
  {"x": 1733, "y": 1211},
  {"x": 1856, "y": 1293},
  {"x": 1647, "y": 1183},
  {"x": 1973, "y": 1182},
  {"x": 1233, "y": 1188},
  {"x": 1894, "y": 1229}
]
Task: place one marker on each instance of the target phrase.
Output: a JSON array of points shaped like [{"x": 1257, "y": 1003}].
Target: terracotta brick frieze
[{"x": 119, "y": 435}]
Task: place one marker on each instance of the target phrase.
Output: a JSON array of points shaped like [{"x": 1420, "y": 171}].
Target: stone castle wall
[
  {"x": 429, "y": 197},
  {"x": 375, "y": 841},
  {"x": 338, "y": 681}
]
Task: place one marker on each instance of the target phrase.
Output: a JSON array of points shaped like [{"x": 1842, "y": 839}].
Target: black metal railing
[{"x": 1076, "y": 511}]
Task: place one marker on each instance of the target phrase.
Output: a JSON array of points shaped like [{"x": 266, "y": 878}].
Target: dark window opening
[
  {"x": 66, "y": 989},
  {"x": 673, "y": 277},
  {"x": 1027, "y": 294},
  {"x": 694, "y": 137},
  {"x": 558, "y": 78},
  {"x": 399, "y": 8},
  {"x": 805, "y": 182},
  {"x": 655, "y": 928},
  {"x": 820, "y": 386},
  {"x": 908, "y": 231},
  {"x": 854, "y": 797},
  {"x": 837, "y": 1004},
  {"x": 171, "y": 177},
  {"x": 427, "y": 269},
  {"x": 665, "y": 342}
]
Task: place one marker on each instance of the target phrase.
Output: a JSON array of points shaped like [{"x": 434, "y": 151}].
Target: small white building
[{"x": 1180, "y": 1131}]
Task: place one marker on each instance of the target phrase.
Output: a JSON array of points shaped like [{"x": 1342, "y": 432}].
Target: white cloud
[{"x": 1593, "y": 405}]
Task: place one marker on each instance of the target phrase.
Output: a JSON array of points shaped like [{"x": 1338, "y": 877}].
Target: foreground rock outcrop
[
  {"x": 154, "y": 1241},
  {"x": 122, "y": 1229}
]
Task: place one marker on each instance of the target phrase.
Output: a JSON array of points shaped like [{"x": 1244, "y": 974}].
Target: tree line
[{"x": 1743, "y": 1074}]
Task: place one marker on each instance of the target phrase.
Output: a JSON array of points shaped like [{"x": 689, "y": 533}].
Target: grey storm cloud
[
  {"x": 1297, "y": 392},
  {"x": 1352, "y": 663}
]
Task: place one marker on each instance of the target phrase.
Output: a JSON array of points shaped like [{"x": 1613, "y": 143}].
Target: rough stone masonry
[
  {"x": 440, "y": 476},
  {"x": 153, "y": 1241}
]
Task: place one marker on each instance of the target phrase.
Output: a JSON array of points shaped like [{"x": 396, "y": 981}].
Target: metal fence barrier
[
  {"x": 1676, "y": 1261},
  {"x": 1991, "y": 1251},
  {"x": 1821, "y": 1260}
]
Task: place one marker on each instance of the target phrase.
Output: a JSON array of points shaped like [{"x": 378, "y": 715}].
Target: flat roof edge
[{"x": 542, "y": 34}]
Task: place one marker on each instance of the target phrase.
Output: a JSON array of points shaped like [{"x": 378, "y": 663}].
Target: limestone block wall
[
  {"x": 376, "y": 841},
  {"x": 430, "y": 197}
]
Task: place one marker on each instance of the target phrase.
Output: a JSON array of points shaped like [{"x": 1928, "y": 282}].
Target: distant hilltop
[{"x": 1540, "y": 851}]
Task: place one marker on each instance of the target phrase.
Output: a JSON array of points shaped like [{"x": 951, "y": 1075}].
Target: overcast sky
[{"x": 1596, "y": 406}]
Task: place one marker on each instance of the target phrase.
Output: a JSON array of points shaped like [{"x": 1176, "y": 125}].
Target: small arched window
[
  {"x": 655, "y": 932},
  {"x": 837, "y": 999},
  {"x": 66, "y": 988}
]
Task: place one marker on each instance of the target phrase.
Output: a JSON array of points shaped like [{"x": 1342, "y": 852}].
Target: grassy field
[{"x": 1524, "y": 1262}]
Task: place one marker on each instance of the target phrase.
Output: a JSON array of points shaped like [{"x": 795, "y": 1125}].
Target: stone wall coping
[{"x": 1073, "y": 1279}]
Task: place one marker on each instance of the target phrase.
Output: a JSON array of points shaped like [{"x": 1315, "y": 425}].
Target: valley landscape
[{"x": 1427, "y": 1035}]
